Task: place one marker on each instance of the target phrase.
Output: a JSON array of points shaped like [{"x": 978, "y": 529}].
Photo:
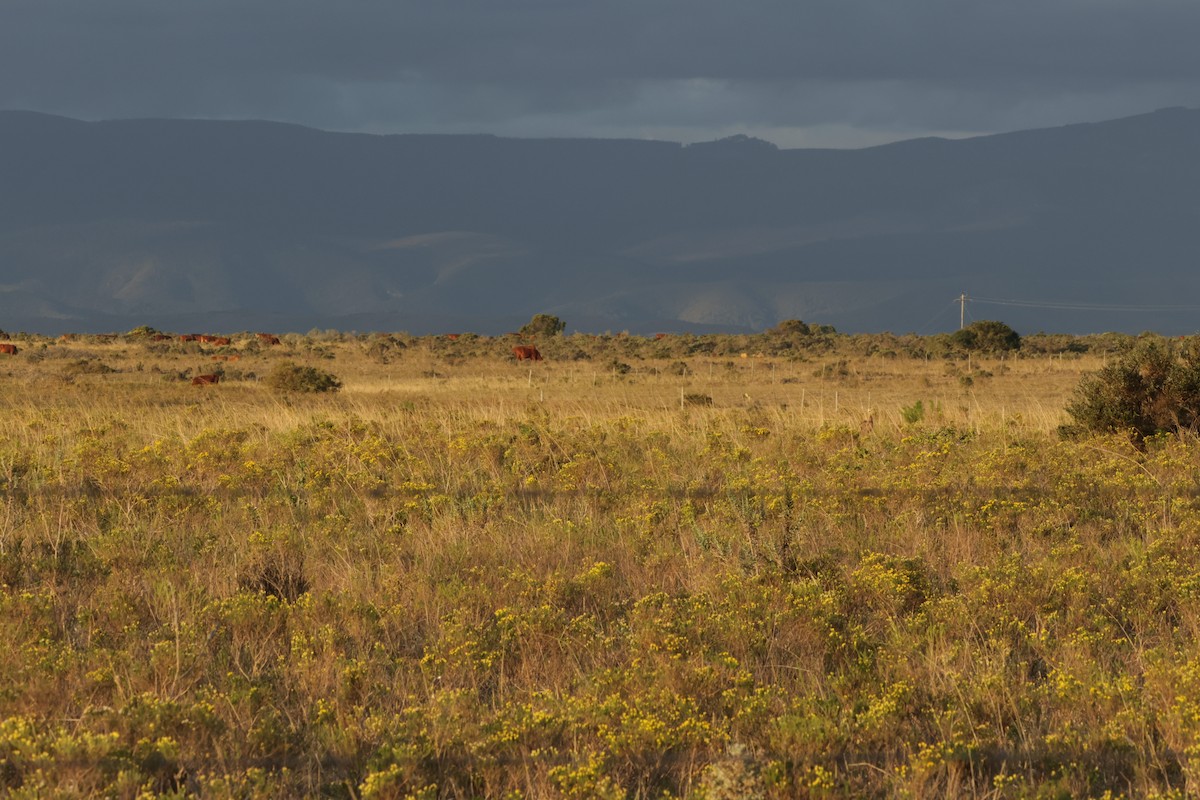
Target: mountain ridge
[{"x": 127, "y": 222}]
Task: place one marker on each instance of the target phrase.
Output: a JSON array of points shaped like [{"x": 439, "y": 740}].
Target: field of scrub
[{"x": 640, "y": 569}]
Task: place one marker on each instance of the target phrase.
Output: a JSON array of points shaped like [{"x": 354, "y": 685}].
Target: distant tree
[
  {"x": 791, "y": 327},
  {"x": 543, "y": 325},
  {"x": 987, "y": 336}
]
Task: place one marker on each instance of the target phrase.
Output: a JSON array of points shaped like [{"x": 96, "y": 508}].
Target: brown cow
[
  {"x": 159, "y": 337},
  {"x": 526, "y": 351},
  {"x": 11, "y": 349},
  {"x": 268, "y": 338},
  {"x": 189, "y": 337},
  {"x": 204, "y": 380}
]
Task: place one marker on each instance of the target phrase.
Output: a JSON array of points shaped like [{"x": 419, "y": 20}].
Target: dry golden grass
[
  {"x": 621, "y": 572},
  {"x": 495, "y": 386}
]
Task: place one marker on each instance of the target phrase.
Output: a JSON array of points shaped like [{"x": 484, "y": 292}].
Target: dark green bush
[
  {"x": 289, "y": 377},
  {"x": 987, "y": 336},
  {"x": 543, "y": 325},
  {"x": 792, "y": 327},
  {"x": 1152, "y": 389}
]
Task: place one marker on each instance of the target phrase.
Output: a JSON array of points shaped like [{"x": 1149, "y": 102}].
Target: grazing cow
[
  {"x": 451, "y": 336},
  {"x": 10, "y": 349},
  {"x": 220, "y": 341},
  {"x": 526, "y": 351},
  {"x": 189, "y": 337},
  {"x": 660, "y": 336},
  {"x": 159, "y": 337},
  {"x": 205, "y": 380},
  {"x": 268, "y": 338}
]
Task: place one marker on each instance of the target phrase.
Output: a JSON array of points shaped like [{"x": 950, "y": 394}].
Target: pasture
[{"x": 834, "y": 567}]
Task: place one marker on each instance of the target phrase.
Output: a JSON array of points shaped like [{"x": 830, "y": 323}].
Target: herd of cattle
[
  {"x": 8, "y": 348},
  {"x": 525, "y": 352}
]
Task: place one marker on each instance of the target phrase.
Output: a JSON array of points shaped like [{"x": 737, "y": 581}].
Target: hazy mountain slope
[{"x": 252, "y": 224}]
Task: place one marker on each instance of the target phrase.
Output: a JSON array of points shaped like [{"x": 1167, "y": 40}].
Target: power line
[
  {"x": 1067, "y": 306},
  {"x": 929, "y": 325},
  {"x": 962, "y": 300}
]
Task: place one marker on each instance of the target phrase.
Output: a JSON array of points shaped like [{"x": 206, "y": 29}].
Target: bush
[
  {"x": 289, "y": 377},
  {"x": 1150, "y": 390},
  {"x": 543, "y": 325},
  {"x": 987, "y": 336},
  {"x": 791, "y": 327}
]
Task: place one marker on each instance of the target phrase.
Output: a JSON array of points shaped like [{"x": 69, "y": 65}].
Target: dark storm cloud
[{"x": 823, "y": 72}]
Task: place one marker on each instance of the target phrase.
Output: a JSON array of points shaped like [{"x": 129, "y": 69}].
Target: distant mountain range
[{"x": 222, "y": 226}]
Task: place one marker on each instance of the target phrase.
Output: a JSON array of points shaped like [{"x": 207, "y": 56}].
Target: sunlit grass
[{"x": 463, "y": 577}]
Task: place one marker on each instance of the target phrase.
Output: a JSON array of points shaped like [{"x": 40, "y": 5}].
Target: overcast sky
[{"x": 800, "y": 73}]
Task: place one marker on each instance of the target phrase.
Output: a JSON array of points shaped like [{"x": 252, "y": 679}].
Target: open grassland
[{"x": 636, "y": 569}]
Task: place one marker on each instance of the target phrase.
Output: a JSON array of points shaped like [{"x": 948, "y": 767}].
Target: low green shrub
[
  {"x": 289, "y": 377},
  {"x": 914, "y": 413},
  {"x": 1152, "y": 389}
]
